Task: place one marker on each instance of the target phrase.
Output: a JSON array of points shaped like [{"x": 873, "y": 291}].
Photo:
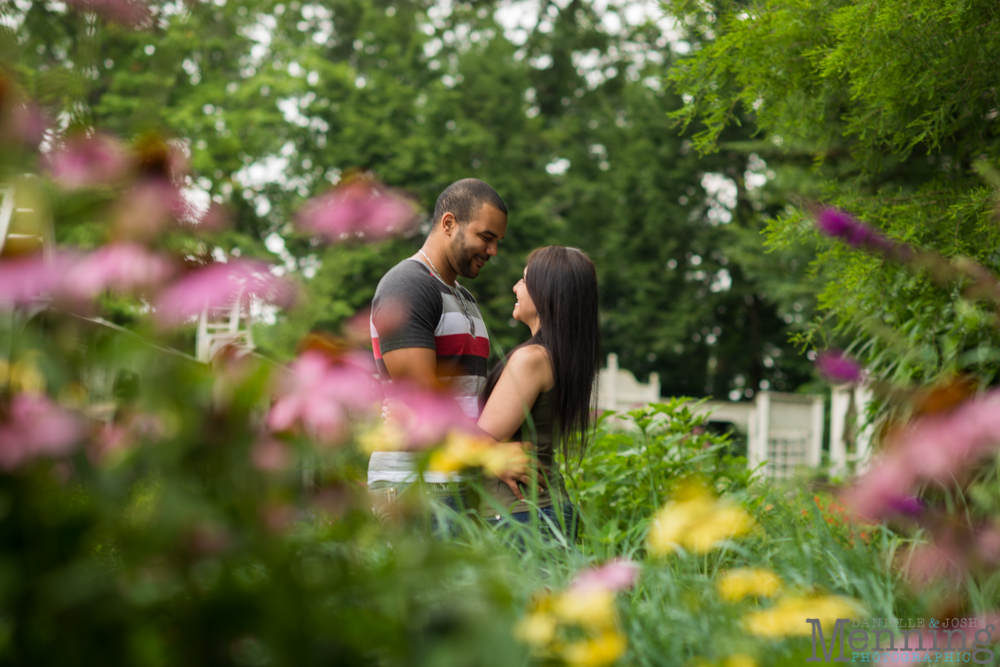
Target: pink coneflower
[
  {"x": 612, "y": 576},
  {"x": 89, "y": 161},
  {"x": 218, "y": 285},
  {"x": 122, "y": 267},
  {"x": 317, "y": 392},
  {"x": 358, "y": 209},
  {"x": 36, "y": 427},
  {"x": 427, "y": 417}
]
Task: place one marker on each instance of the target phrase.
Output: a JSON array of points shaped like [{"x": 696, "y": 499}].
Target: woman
[{"x": 549, "y": 377}]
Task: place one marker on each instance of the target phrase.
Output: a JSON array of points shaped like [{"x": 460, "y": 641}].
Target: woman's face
[{"x": 524, "y": 307}]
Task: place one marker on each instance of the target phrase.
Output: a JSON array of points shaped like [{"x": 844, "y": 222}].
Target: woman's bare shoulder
[{"x": 533, "y": 360}]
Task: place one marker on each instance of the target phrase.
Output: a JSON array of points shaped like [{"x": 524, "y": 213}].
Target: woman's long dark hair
[{"x": 563, "y": 284}]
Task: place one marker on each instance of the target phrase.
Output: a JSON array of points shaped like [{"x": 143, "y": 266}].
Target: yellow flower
[
  {"x": 739, "y": 660},
  {"x": 671, "y": 523},
  {"x": 738, "y": 584},
  {"x": 458, "y": 452},
  {"x": 788, "y": 617},
  {"x": 597, "y": 652},
  {"x": 461, "y": 450},
  {"x": 698, "y": 523},
  {"x": 723, "y": 522},
  {"x": 499, "y": 458},
  {"x": 594, "y": 610},
  {"x": 382, "y": 438},
  {"x": 538, "y": 629},
  {"x": 26, "y": 377}
]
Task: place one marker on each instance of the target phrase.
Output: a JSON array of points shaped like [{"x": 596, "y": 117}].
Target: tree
[
  {"x": 276, "y": 102},
  {"x": 896, "y": 103}
]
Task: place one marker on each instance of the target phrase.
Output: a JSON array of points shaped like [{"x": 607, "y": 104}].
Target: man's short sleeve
[{"x": 406, "y": 309}]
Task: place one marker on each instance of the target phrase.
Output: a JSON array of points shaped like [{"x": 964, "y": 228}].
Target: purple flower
[
  {"x": 36, "y": 427},
  {"x": 218, "y": 285},
  {"x": 840, "y": 225},
  {"x": 612, "y": 576},
  {"x": 358, "y": 208},
  {"x": 835, "y": 366},
  {"x": 86, "y": 162},
  {"x": 910, "y": 506}
]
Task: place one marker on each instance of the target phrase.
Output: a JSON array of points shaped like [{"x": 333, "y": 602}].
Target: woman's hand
[{"x": 519, "y": 469}]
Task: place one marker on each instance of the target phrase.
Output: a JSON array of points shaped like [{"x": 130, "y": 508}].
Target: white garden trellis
[{"x": 784, "y": 431}]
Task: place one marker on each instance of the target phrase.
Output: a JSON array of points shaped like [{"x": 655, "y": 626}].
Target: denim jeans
[
  {"x": 568, "y": 524},
  {"x": 388, "y": 496}
]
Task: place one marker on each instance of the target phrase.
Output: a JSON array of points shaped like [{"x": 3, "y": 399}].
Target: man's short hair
[{"x": 464, "y": 198}]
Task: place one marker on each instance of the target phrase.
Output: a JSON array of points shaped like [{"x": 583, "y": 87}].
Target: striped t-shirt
[{"x": 414, "y": 308}]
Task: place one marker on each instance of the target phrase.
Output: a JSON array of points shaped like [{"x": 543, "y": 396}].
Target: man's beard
[{"x": 464, "y": 258}]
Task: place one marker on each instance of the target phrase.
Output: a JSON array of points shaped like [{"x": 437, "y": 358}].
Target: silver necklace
[{"x": 455, "y": 291}]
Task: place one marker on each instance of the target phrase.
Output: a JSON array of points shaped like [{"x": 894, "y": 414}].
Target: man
[{"x": 428, "y": 330}]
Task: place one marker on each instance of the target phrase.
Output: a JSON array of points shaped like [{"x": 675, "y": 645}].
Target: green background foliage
[
  {"x": 276, "y": 102},
  {"x": 896, "y": 104}
]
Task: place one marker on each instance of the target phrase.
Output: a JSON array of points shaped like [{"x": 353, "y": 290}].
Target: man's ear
[{"x": 448, "y": 223}]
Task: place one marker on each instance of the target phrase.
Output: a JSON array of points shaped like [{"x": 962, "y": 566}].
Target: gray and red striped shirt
[{"x": 415, "y": 308}]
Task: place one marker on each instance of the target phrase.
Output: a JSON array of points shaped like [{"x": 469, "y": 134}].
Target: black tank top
[{"x": 540, "y": 432}]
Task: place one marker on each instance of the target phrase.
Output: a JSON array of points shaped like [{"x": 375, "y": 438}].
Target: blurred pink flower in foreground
[
  {"x": 836, "y": 366},
  {"x": 28, "y": 125},
  {"x": 317, "y": 392},
  {"x": 71, "y": 278},
  {"x": 218, "y": 285},
  {"x": 110, "y": 443},
  {"x": 36, "y": 427},
  {"x": 426, "y": 417},
  {"x": 27, "y": 279},
  {"x": 88, "y": 161},
  {"x": 941, "y": 559},
  {"x": 358, "y": 208},
  {"x": 134, "y": 13},
  {"x": 612, "y": 576},
  {"x": 941, "y": 446},
  {"x": 143, "y": 211},
  {"x": 270, "y": 455},
  {"x": 935, "y": 448},
  {"x": 122, "y": 267}
]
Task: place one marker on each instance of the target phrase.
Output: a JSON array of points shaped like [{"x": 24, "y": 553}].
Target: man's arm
[{"x": 414, "y": 365}]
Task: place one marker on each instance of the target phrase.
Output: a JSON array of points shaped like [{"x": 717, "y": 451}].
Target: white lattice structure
[
  {"x": 25, "y": 229},
  {"x": 850, "y": 433},
  {"x": 218, "y": 328},
  {"x": 788, "y": 433},
  {"x": 784, "y": 431},
  {"x": 618, "y": 390},
  {"x": 25, "y": 224}
]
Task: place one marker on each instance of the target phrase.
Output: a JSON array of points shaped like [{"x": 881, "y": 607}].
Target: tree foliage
[
  {"x": 896, "y": 104},
  {"x": 565, "y": 117}
]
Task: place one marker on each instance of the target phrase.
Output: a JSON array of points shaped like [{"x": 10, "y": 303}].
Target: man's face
[{"x": 474, "y": 244}]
